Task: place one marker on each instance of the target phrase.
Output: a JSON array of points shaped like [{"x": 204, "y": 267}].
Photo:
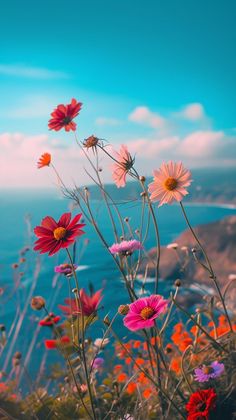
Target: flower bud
[
  {"x": 17, "y": 355},
  {"x": 177, "y": 283},
  {"x": 143, "y": 194},
  {"x": 123, "y": 309},
  {"x": 15, "y": 265},
  {"x": 37, "y": 303},
  {"x": 142, "y": 178},
  {"x": 107, "y": 321}
]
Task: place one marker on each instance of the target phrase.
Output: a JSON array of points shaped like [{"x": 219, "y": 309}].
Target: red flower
[
  {"x": 56, "y": 235},
  {"x": 53, "y": 344},
  {"x": 49, "y": 320},
  {"x": 63, "y": 116},
  {"x": 44, "y": 160},
  {"x": 200, "y": 404},
  {"x": 89, "y": 304}
]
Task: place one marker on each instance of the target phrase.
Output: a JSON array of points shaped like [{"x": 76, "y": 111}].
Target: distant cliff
[{"x": 218, "y": 238}]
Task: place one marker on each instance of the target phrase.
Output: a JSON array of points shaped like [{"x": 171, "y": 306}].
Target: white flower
[
  {"x": 174, "y": 245},
  {"x": 100, "y": 343}
]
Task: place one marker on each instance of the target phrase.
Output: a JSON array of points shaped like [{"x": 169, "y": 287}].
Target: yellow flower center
[
  {"x": 59, "y": 233},
  {"x": 170, "y": 183},
  {"x": 146, "y": 312},
  {"x": 207, "y": 370}
]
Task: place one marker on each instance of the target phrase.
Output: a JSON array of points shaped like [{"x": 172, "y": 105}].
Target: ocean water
[{"x": 19, "y": 210}]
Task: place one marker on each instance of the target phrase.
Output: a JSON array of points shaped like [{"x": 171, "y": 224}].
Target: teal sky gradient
[{"x": 115, "y": 56}]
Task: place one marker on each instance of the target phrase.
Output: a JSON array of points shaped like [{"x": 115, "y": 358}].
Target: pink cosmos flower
[
  {"x": 143, "y": 312},
  {"x": 170, "y": 183},
  {"x": 65, "y": 269},
  {"x": 122, "y": 166},
  {"x": 126, "y": 247}
]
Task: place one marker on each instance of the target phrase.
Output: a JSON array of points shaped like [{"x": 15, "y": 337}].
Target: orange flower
[
  {"x": 131, "y": 388},
  {"x": 122, "y": 377},
  {"x": 147, "y": 393},
  {"x": 175, "y": 365},
  {"x": 44, "y": 160},
  {"x": 139, "y": 361},
  {"x": 142, "y": 378},
  {"x": 153, "y": 342},
  {"x": 136, "y": 344},
  {"x": 128, "y": 360},
  {"x": 194, "y": 330},
  {"x": 185, "y": 343},
  {"x": 117, "y": 368}
]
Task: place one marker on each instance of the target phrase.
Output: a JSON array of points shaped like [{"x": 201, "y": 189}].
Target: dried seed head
[
  {"x": 107, "y": 321},
  {"x": 37, "y": 303},
  {"x": 17, "y": 355},
  {"x": 123, "y": 309},
  {"x": 177, "y": 283},
  {"x": 91, "y": 142}
]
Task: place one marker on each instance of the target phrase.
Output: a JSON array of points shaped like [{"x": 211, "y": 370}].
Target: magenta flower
[
  {"x": 126, "y": 247},
  {"x": 65, "y": 269},
  {"x": 204, "y": 373},
  {"x": 143, "y": 312},
  {"x": 97, "y": 363},
  {"x": 124, "y": 163}
]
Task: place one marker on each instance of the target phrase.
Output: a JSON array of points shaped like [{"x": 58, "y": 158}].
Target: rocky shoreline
[{"x": 182, "y": 259}]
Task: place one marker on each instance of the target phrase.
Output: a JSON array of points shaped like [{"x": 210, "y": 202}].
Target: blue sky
[{"x": 154, "y": 73}]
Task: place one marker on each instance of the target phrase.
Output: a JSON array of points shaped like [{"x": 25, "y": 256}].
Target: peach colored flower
[
  {"x": 44, "y": 160},
  {"x": 170, "y": 183},
  {"x": 122, "y": 166}
]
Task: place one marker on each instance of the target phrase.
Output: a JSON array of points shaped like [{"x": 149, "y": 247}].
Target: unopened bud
[
  {"x": 37, "y": 303},
  {"x": 75, "y": 291},
  {"x": 2, "y": 327},
  {"x": 17, "y": 355},
  {"x": 177, "y": 283},
  {"x": 126, "y": 219},
  {"x": 142, "y": 178},
  {"x": 107, "y": 321},
  {"x": 193, "y": 250},
  {"x": 123, "y": 309},
  {"x": 143, "y": 194},
  {"x": 15, "y": 265}
]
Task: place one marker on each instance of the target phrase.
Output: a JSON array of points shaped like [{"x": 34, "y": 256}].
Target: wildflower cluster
[{"x": 143, "y": 363}]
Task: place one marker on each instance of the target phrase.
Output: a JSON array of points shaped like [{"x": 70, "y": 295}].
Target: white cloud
[
  {"x": 143, "y": 115},
  {"x": 192, "y": 112},
  {"x": 202, "y": 144},
  {"x": 19, "y": 156},
  {"x": 20, "y": 70}
]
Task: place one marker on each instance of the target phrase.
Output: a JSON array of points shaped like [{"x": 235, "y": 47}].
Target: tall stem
[{"x": 83, "y": 336}]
